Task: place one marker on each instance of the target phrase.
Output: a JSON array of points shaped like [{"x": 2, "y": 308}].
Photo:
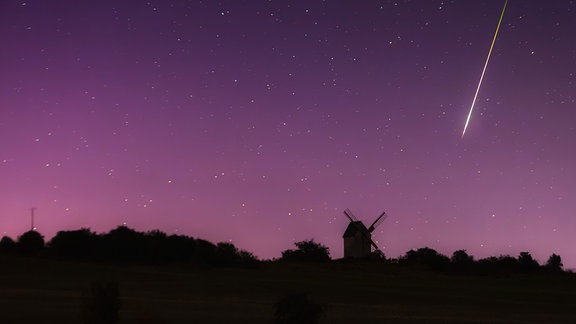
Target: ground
[{"x": 36, "y": 290}]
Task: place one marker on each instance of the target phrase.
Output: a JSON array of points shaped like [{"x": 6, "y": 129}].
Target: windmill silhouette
[{"x": 358, "y": 238}]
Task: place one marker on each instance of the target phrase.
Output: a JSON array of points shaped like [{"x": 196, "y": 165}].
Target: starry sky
[{"x": 258, "y": 122}]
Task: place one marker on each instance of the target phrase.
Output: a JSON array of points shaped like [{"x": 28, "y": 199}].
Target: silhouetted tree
[
  {"x": 508, "y": 264},
  {"x": 247, "y": 259},
  {"x": 461, "y": 261},
  {"x": 226, "y": 254},
  {"x": 554, "y": 263},
  {"x": 7, "y": 245},
  {"x": 527, "y": 263},
  {"x": 427, "y": 257},
  {"x": 182, "y": 248},
  {"x": 101, "y": 304},
  {"x": 74, "y": 244},
  {"x": 30, "y": 243},
  {"x": 503, "y": 264},
  {"x": 487, "y": 265},
  {"x": 157, "y": 248},
  {"x": 297, "y": 309},
  {"x": 123, "y": 244},
  {"x": 205, "y": 251},
  {"x": 307, "y": 250}
]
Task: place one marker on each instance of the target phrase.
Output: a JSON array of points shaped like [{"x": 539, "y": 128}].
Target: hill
[{"x": 46, "y": 290}]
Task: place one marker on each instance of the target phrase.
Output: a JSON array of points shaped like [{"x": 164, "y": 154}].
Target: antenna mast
[{"x": 32, "y": 228}]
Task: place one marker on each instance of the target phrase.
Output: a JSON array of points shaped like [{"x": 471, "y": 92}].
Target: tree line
[
  {"x": 427, "y": 258},
  {"x": 125, "y": 245},
  {"x": 462, "y": 262}
]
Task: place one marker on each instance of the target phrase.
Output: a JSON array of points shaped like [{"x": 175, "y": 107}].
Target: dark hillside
[{"x": 36, "y": 290}]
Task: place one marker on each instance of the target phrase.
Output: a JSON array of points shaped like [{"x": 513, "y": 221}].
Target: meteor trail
[{"x": 484, "y": 70}]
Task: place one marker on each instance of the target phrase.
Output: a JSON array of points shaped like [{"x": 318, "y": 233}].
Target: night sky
[{"x": 259, "y": 122}]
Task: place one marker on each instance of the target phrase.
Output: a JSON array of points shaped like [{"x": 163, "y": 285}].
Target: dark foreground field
[{"x": 47, "y": 291}]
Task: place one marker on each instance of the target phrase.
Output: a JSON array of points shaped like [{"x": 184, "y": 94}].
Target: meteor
[{"x": 484, "y": 70}]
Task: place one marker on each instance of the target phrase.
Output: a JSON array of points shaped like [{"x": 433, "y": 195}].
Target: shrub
[{"x": 298, "y": 309}]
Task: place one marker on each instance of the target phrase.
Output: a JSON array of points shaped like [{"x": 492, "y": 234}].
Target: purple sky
[{"x": 259, "y": 122}]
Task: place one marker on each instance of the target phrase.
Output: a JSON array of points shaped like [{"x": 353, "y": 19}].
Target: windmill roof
[{"x": 353, "y": 228}]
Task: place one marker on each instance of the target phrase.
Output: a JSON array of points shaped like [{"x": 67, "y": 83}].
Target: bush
[{"x": 297, "y": 309}]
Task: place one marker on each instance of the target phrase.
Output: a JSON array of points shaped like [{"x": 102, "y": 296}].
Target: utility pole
[{"x": 32, "y": 228}]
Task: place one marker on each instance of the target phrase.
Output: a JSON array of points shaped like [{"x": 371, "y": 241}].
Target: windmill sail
[
  {"x": 377, "y": 222},
  {"x": 350, "y": 216}
]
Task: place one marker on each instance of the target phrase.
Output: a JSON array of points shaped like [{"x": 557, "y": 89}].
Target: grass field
[{"x": 48, "y": 291}]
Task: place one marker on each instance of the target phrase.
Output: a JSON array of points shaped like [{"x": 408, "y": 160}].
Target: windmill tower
[{"x": 358, "y": 239}]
